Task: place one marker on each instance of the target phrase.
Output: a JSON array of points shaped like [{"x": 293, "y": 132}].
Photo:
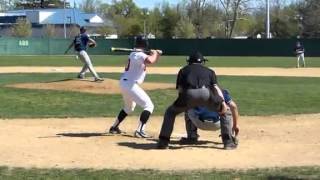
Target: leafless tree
[
  {"x": 233, "y": 10},
  {"x": 196, "y": 9}
]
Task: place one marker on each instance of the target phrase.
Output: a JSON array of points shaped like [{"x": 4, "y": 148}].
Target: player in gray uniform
[
  {"x": 80, "y": 44},
  {"x": 202, "y": 118},
  {"x": 197, "y": 86}
]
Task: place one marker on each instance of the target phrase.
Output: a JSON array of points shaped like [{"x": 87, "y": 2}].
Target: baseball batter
[
  {"x": 299, "y": 51},
  {"x": 132, "y": 93},
  {"x": 204, "y": 119},
  {"x": 80, "y": 44}
]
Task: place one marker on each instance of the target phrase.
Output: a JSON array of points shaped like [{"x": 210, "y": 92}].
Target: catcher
[
  {"x": 204, "y": 119},
  {"x": 80, "y": 43}
]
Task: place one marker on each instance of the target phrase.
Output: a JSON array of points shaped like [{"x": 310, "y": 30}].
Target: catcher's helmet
[
  {"x": 141, "y": 42},
  {"x": 196, "y": 57}
]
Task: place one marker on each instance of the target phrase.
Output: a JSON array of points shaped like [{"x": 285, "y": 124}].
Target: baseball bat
[{"x": 118, "y": 49}]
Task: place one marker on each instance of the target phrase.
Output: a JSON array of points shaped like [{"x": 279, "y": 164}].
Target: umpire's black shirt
[{"x": 194, "y": 76}]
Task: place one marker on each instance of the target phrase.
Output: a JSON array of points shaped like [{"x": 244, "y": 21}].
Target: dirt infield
[
  {"x": 268, "y": 141},
  {"x": 108, "y": 86},
  {"x": 275, "y": 141},
  {"x": 299, "y": 72}
]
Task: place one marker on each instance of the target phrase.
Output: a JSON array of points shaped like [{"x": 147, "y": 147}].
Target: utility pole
[
  {"x": 64, "y": 19},
  {"x": 145, "y": 13},
  {"x": 268, "y": 19}
]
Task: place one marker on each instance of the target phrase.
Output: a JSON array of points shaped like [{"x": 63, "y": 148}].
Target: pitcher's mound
[{"x": 108, "y": 86}]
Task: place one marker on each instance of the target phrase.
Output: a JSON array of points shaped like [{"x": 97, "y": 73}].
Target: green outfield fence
[{"x": 209, "y": 47}]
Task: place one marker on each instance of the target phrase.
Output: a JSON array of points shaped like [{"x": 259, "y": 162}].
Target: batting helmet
[
  {"x": 196, "y": 57},
  {"x": 141, "y": 42}
]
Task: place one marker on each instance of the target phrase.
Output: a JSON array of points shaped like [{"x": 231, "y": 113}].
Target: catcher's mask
[
  {"x": 196, "y": 57},
  {"x": 141, "y": 42}
]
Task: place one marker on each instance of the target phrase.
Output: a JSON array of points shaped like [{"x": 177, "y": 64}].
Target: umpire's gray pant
[{"x": 188, "y": 99}]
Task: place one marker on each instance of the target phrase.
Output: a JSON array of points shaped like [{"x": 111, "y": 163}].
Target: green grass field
[
  {"x": 254, "y": 95},
  {"x": 165, "y": 61},
  {"x": 295, "y": 173}
]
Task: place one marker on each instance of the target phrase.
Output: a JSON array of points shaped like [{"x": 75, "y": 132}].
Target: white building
[{"x": 40, "y": 18}]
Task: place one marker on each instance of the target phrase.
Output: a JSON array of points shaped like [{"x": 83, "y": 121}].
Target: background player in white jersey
[{"x": 132, "y": 93}]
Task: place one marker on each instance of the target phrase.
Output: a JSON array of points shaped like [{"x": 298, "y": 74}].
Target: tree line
[
  {"x": 203, "y": 18},
  {"x": 211, "y": 18}
]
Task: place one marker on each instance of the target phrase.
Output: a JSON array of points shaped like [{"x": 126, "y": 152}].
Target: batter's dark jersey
[{"x": 196, "y": 76}]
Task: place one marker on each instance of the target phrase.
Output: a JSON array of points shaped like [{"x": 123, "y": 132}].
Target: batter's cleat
[
  {"x": 114, "y": 130},
  {"x": 186, "y": 140},
  {"x": 141, "y": 134},
  {"x": 80, "y": 76},
  {"x": 98, "y": 79},
  {"x": 162, "y": 144}
]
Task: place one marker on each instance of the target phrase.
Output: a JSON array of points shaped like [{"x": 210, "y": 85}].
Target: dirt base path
[
  {"x": 300, "y": 72},
  {"x": 275, "y": 141}
]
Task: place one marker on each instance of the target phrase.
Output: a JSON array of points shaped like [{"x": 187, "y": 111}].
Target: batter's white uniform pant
[
  {"x": 300, "y": 57},
  {"x": 132, "y": 95},
  {"x": 84, "y": 57}
]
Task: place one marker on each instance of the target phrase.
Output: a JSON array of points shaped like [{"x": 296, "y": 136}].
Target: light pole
[
  {"x": 268, "y": 19},
  {"x": 145, "y": 14},
  {"x": 144, "y": 28},
  {"x": 299, "y": 19},
  {"x": 64, "y": 19}
]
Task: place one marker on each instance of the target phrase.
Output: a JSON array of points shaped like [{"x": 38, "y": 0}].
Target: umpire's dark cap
[{"x": 196, "y": 57}]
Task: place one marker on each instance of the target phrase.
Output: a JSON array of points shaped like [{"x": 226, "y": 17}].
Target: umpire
[{"x": 197, "y": 86}]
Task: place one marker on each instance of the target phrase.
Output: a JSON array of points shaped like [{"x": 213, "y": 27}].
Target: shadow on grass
[{"x": 285, "y": 178}]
